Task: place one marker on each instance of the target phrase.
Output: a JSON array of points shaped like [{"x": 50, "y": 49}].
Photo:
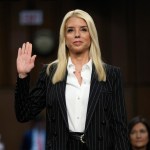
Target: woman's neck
[
  {"x": 79, "y": 62},
  {"x": 140, "y": 148},
  {"x": 79, "y": 59}
]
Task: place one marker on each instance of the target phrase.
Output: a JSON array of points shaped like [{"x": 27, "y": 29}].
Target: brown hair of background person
[{"x": 139, "y": 133}]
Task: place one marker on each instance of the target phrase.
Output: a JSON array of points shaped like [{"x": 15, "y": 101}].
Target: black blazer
[{"x": 106, "y": 122}]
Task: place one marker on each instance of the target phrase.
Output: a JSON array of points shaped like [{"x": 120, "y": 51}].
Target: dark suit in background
[{"x": 35, "y": 137}]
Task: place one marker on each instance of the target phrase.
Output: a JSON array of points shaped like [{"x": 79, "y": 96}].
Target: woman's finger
[
  {"x": 30, "y": 49},
  {"x": 23, "y": 48},
  {"x": 19, "y": 52},
  {"x": 33, "y": 58},
  {"x": 26, "y": 48}
]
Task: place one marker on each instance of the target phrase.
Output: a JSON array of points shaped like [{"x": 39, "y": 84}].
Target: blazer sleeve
[
  {"x": 30, "y": 103},
  {"x": 119, "y": 116}
]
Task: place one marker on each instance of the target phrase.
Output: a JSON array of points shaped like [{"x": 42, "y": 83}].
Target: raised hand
[{"x": 25, "y": 60}]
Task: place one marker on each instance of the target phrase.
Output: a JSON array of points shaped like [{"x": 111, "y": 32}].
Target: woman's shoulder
[
  {"x": 112, "y": 70},
  {"x": 49, "y": 67},
  {"x": 111, "y": 67}
]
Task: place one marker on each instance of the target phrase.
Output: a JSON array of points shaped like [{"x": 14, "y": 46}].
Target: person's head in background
[{"x": 139, "y": 133}]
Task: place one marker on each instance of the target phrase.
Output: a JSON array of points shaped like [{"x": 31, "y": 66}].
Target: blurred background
[{"x": 123, "y": 27}]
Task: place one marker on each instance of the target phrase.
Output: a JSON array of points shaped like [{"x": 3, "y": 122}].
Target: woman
[
  {"x": 139, "y": 132},
  {"x": 83, "y": 96}
]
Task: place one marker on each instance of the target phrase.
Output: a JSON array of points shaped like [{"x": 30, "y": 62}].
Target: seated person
[{"x": 139, "y": 132}]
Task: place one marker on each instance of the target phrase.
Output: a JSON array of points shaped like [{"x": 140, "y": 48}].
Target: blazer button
[
  {"x": 55, "y": 133},
  {"x": 53, "y": 118},
  {"x": 103, "y": 122},
  {"x": 49, "y": 144},
  {"x": 100, "y": 138}
]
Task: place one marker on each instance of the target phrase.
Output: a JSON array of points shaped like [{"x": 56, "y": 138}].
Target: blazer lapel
[
  {"x": 95, "y": 89},
  {"x": 61, "y": 99}
]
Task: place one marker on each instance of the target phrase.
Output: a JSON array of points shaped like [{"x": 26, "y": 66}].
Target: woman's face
[
  {"x": 139, "y": 137},
  {"x": 77, "y": 36}
]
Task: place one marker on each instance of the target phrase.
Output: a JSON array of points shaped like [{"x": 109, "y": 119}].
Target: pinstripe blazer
[{"x": 106, "y": 122}]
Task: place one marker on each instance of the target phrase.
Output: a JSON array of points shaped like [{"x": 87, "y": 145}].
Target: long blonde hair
[{"x": 95, "y": 53}]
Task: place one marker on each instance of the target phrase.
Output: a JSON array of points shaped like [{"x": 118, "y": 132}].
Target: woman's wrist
[{"x": 22, "y": 75}]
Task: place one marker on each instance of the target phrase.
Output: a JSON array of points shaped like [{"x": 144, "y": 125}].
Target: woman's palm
[{"x": 25, "y": 60}]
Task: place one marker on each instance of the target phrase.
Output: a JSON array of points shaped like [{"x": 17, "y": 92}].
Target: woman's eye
[
  {"x": 143, "y": 131},
  {"x": 69, "y": 30},
  {"x": 133, "y": 132},
  {"x": 84, "y": 29}
]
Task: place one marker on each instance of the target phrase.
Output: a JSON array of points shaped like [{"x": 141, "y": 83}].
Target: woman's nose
[
  {"x": 138, "y": 134},
  {"x": 77, "y": 34}
]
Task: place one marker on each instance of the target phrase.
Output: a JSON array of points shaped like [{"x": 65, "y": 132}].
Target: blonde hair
[{"x": 95, "y": 53}]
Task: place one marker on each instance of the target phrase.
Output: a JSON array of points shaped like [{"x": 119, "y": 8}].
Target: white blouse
[{"x": 77, "y": 96}]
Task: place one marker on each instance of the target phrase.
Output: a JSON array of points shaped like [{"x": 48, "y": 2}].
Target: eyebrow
[{"x": 74, "y": 27}]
